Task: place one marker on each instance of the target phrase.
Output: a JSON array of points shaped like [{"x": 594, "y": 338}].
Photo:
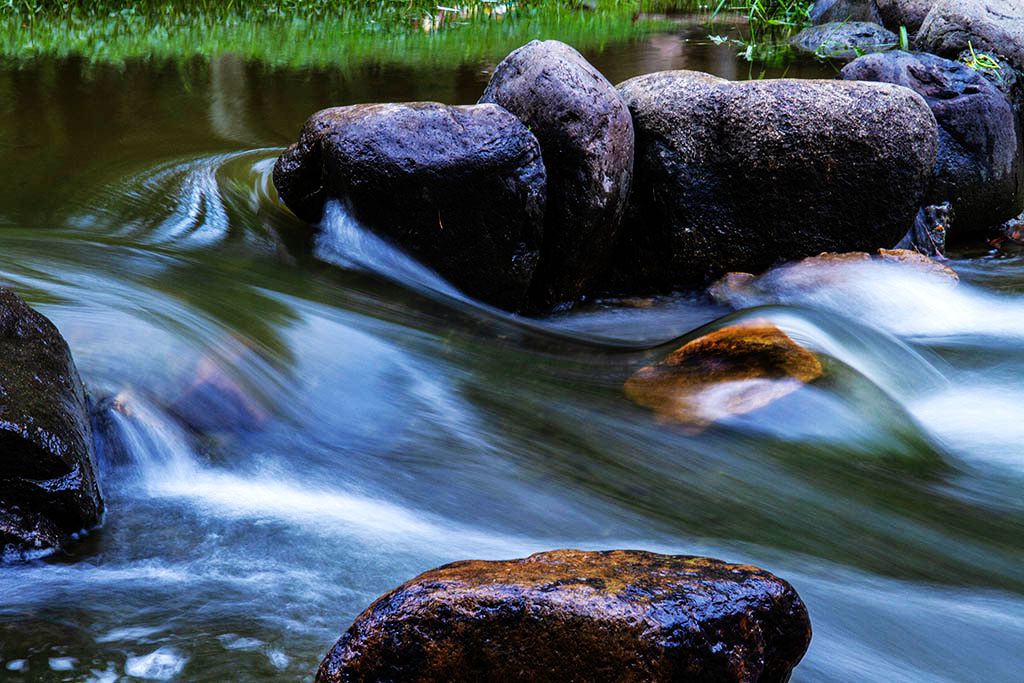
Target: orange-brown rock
[
  {"x": 569, "y": 615},
  {"x": 914, "y": 259},
  {"x": 731, "y": 371}
]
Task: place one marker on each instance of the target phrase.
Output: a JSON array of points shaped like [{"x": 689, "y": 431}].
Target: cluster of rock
[
  {"x": 48, "y": 486},
  {"x": 557, "y": 185}
]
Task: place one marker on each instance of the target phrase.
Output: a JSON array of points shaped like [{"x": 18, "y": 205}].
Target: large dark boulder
[
  {"x": 460, "y": 188},
  {"x": 48, "y": 487},
  {"x": 569, "y": 615},
  {"x": 909, "y": 13},
  {"x": 995, "y": 26},
  {"x": 844, "y": 40},
  {"x": 826, "y": 11},
  {"x": 978, "y": 167},
  {"x": 740, "y": 175},
  {"x": 586, "y": 136}
]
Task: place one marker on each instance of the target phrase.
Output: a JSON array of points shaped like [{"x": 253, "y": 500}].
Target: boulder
[
  {"x": 826, "y": 11},
  {"x": 931, "y": 226},
  {"x": 995, "y": 26},
  {"x": 999, "y": 73},
  {"x": 731, "y": 371},
  {"x": 569, "y": 615},
  {"x": 844, "y": 40},
  {"x": 978, "y": 166},
  {"x": 462, "y": 188},
  {"x": 909, "y": 13},
  {"x": 586, "y": 137},
  {"x": 740, "y": 175},
  {"x": 48, "y": 486}
]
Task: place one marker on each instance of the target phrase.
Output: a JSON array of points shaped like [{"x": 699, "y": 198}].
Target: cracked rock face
[
  {"x": 737, "y": 176},
  {"x": 570, "y": 615},
  {"x": 586, "y": 136},
  {"x": 461, "y": 188},
  {"x": 48, "y": 486}
]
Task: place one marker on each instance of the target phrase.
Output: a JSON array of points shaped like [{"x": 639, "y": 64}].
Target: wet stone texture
[
  {"x": 48, "y": 487},
  {"x": 978, "y": 168},
  {"x": 844, "y": 40},
  {"x": 732, "y": 371},
  {"x": 569, "y": 615},
  {"x": 461, "y": 188},
  {"x": 741, "y": 175},
  {"x": 586, "y": 136},
  {"x": 996, "y": 26}
]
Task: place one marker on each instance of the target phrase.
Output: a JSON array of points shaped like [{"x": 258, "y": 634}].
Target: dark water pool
[{"x": 291, "y": 426}]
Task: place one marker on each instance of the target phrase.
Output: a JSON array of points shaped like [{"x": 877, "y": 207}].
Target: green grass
[
  {"x": 309, "y": 32},
  {"x": 770, "y": 25}
]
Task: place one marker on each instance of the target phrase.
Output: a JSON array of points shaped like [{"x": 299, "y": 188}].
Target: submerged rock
[
  {"x": 909, "y": 13},
  {"x": 48, "y": 486},
  {"x": 979, "y": 165},
  {"x": 731, "y": 371},
  {"x": 740, "y": 175},
  {"x": 741, "y": 290},
  {"x": 461, "y": 188},
  {"x": 995, "y": 26},
  {"x": 569, "y": 615},
  {"x": 844, "y": 40},
  {"x": 826, "y": 11},
  {"x": 586, "y": 136}
]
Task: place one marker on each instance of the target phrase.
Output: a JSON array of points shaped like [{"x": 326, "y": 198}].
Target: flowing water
[{"x": 291, "y": 424}]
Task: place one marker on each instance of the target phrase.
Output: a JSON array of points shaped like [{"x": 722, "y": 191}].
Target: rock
[
  {"x": 48, "y": 486},
  {"x": 909, "y": 13},
  {"x": 928, "y": 236},
  {"x": 995, "y": 26},
  {"x": 844, "y": 40},
  {"x": 586, "y": 137},
  {"x": 826, "y": 11},
  {"x": 978, "y": 167},
  {"x": 569, "y": 615},
  {"x": 460, "y": 188},
  {"x": 735, "y": 176},
  {"x": 999, "y": 73},
  {"x": 793, "y": 280},
  {"x": 731, "y": 371}
]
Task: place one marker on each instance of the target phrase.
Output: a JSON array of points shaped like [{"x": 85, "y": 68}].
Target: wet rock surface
[
  {"x": 844, "y": 40},
  {"x": 586, "y": 137},
  {"x": 825, "y": 11},
  {"x": 978, "y": 166},
  {"x": 569, "y": 615},
  {"x": 931, "y": 226},
  {"x": 909, "y": 13},
  {"x": 48, "y": 486},
  {"x": 738, "y": 176},
  {"x": 732, "y": 371},
  {"x": 997, "y": 26},
  {"x": 462, "y": 188},
  {"x": 741, "y": 290}
]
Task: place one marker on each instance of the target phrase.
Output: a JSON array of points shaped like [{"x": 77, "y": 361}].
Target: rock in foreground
[
  {"x": 978, "y": 167},
  {"x": 731, "y": 371},
  {"x": 740, "y": 175},
  {"x": 48, "y": 488},
  {"x": 569, "y": 615},
  {"x": 586, "y": 136},
  {"x": 460, "y": 188}
]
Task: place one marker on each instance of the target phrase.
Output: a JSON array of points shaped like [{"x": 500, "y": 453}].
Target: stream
[{"x": 290, "y": 424}]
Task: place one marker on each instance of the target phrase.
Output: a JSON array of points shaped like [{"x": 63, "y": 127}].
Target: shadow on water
[{"x": 291, "y": 422}]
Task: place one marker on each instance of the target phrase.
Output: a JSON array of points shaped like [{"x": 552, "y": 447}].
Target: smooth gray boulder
[
  {"x": 48, "y": 485},
  {"x": 826, "y": 11},
  {"x": 978, "y": 166},
  {"x": 909, "y": 13},
  {"x": 586, "y": 137},
  {"x": 739, "y": 175},
  {"x": 460, "y": 188},
  {"x": 844, "y": 40},
  {"x": 995, "y": 26}
]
